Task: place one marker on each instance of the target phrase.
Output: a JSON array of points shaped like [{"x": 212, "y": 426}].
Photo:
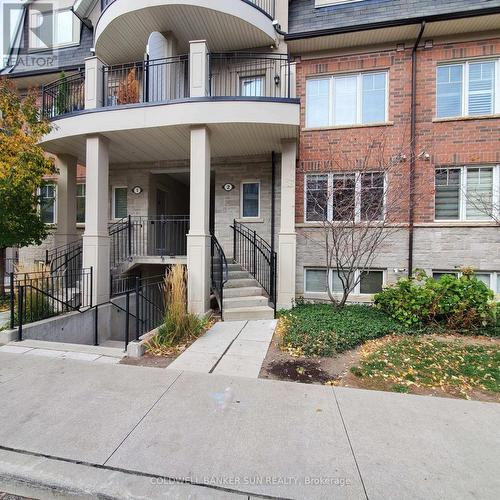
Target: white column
[
  {"x": 66, "y": 200},
  {"x": 198, "y": 241},
  {"x": 287, "y": 242},
  {"x": 94, "y": 78},
  {"x": 281, "y": 14},
  {"x": 198, "y": 68},
  {"x": 96, "y": 238}
]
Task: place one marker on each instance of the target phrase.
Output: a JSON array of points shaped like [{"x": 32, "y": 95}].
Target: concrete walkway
[
  {"x": 76, "y": 429},
  {"x": 229, "y": 348}
]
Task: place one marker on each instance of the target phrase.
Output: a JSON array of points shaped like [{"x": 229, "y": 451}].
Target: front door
[{"x": 159, "y": 225}]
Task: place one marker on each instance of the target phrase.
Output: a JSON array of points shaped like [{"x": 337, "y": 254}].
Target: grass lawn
[
  {"x": 322, "y": 330},
  {"x": 408, "y": 364}
]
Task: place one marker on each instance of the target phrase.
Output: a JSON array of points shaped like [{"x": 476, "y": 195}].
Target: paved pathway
[
  {"x": 118, "y": 431},
  {"x": 229, "y": 348}
]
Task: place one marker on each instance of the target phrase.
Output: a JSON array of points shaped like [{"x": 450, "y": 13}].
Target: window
[
  {"x": 250, "y": 199},
  {"x": 466, "y": 193},
  {"x": 467, "y": 89},
  {"x": 358, "y": 196},
  {"x": 370, "y": 281},
  {"x": 437, "y": 275},
  {"x": 53, "y": 28},
  {"x": 359, "y": 99},
  {"x": 80, "y": 203},
  {"x": 490, "y": 279},
  {"x": 48, "y": 203},
  {"x": 252, "y": 86},
  {"x": 120, "y": 208}
]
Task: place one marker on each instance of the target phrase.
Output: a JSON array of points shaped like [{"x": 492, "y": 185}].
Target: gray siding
[{"x": 303, "y": 16}]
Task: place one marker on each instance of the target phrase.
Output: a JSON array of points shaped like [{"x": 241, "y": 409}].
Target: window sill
[
  {"x": 352, "y": 297},
  {"x": 468, "y": 223},
  {"x": 250, "y": 220},
  {"x": 342, "y": 127},
  {"x": 466, "y": 118}
]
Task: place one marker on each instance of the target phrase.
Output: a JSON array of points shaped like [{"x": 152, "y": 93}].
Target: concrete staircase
[{"x": 244, "y": 298}]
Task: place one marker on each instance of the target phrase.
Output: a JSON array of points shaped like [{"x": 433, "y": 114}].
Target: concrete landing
[{"x": 233, "y": 348}]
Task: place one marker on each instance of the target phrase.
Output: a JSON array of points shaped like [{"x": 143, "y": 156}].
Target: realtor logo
[{"x": 32, "y": 28}]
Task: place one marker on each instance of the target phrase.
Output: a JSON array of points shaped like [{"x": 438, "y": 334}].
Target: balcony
[
  {"x": 147, "y": 108},
  {"x": 124, "y": 26}
]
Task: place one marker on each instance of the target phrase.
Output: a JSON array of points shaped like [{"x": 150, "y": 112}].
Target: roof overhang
[{"x": 396, "y": 30}]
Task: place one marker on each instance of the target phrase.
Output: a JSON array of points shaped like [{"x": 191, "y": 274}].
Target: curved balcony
[
  {"x": 124, "y": 26},
  {"x": 148, "y": 107}
]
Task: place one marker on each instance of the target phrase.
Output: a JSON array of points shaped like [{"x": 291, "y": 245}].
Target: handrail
[
  {"x": 257, "y": 256},
  {"x": 68, "y": 256},
  {"x": 219, "y": 272},
  {"x": 64, "y": 95}
]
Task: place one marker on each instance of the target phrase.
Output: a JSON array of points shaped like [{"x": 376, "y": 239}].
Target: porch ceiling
[
  {"x": 173, "y": 143},
  {"x": 124, "y": 27},
  {"x": 162, "y": 132}
]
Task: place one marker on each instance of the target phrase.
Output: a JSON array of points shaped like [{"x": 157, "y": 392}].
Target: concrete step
[
  {"x": 233, "y": 267},
  {"x": 234, "y": 275},
  {"x": 251, "y": 301},
  {"x": 248, "y": 313},
  {"x": 245, "y": 291},
  {"x": 241, "y": 282}
]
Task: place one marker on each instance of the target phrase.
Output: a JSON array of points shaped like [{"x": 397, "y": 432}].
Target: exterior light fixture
[{"x": 277, "y": 79}]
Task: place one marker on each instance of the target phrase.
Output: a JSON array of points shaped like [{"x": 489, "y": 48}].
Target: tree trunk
[{"x": 3, "y": 253}]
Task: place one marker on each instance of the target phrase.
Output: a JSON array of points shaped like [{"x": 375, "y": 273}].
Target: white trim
[
  {"x": 357, "y": 289},
  {"x": 359, "y": 97},
  {"x": 462, "y": 190},
  {"x": 114, "y": 188},
  {"x": 465, "y": 87},
  {"x": 257, "y": 217},
  {"x": 357, "y": 193}
]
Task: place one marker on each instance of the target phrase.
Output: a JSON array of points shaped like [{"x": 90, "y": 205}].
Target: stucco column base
[
  {"x": 198, "y": 269},
  {"x": 287, "y": 257},
  {"x": 96, "y": 255}
]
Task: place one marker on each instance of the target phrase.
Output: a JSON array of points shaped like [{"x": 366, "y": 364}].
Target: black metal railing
[
  {"x": 64, "y": 96},
  {"x": 160, "y": 236},
  {"x": 122, "y": 284},
  {"x": 219, "y": 273},
  {"x": 43, "y": 295},
  {"x": 65, "y": 257},
  {"x": 155, "y": 80},
  {"x": 144, "y": 305},
  {"x": 255, "y": 255},
  {"x": 249, "y": 75}
]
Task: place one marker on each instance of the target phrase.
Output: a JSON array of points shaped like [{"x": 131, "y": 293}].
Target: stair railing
[
  {"x": 219, "y": 273},
  {"x": 256, "y": 256}
]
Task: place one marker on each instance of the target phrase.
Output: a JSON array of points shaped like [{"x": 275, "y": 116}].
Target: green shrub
[
  {"x": 463, "y": 303},
  {"x": 323, "y": 330}
]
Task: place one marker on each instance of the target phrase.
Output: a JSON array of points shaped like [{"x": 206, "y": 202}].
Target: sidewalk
[{"x": 88, "y": 429}]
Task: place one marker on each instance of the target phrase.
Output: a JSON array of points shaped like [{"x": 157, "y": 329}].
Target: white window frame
[
  {"x": 259, "y": 200},
  {"x": 357, "y": 194},
  {"x": 494, "y": 275},
  {"x": 84, "y": 197},
  {"x": 465, "y": 88},
  {"x": 357, "y": 288},
  {"x": 462, "y": 200},
  {"x": 359, "y": 99},
  {"x": 39, "y": 192},
  {"x": 35, "y": 43},
  {"x": 113, "y": 207},
  {"x": 245, "y": 78}
]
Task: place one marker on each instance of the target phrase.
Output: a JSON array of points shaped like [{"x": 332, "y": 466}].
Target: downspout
[
  {"x": 273, "y": 199},
  {"x": 413, "y": 153}
]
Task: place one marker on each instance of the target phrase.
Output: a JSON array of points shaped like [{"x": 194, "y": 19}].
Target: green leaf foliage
[{"x": 323, "y": 330}]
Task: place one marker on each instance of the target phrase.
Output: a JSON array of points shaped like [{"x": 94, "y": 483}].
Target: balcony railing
[
  {"x": 147, "y": 81},
  {"x": 266, "y": 6},
  {"x": 64, "y": 96},
  {"x": 249, "y": 75},
  {"x": 161, "y": 236}
]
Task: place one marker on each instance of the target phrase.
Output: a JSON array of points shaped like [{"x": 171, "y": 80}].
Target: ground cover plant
[
  {"x": 323, "y": 330},
  {"x": 405, "y": 364}
]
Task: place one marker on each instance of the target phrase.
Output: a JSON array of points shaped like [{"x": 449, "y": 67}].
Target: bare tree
[{"x": 360, "y": 197}]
